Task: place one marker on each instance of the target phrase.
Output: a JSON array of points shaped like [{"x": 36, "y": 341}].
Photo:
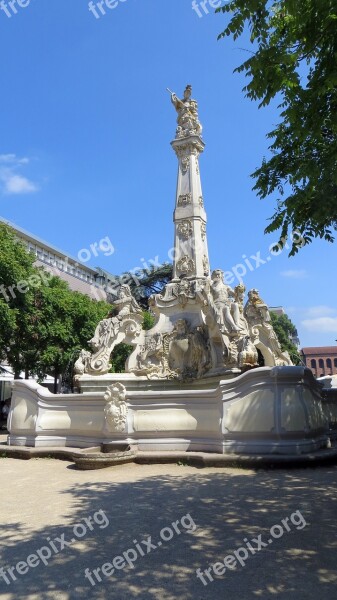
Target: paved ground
[{"x": 43, "y": 500}]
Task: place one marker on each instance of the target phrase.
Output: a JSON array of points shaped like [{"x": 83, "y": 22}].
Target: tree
[
  {"x": 43, "y": 324},
  {"x": 293, "y": 59},
  {"x": 16, "y": 271},
  {"x": 64, "y": 322},
  {"x": 7, "y": 324},
  {"x": 150, "y": 281},
  {"x": 285, "y": 330}
]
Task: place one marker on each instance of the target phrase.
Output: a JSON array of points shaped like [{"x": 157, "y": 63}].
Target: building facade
[
  {"x": 322, "y": 360},
  {"x": 92, "y": 282}
]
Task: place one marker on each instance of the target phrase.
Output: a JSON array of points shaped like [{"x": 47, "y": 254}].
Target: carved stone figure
[
  {"x": 239, "y": 295},
  {"x": 201, "y": 357},
  {"x": 248, "y": 356},
  {"x": 261, "y": 329},
  {"x": 103, "y": 332},
  {"x": 116, "y": 409},
  {"x": 125, "y": 303},
  {"x": 82, "y": 361},
  {"x": 187, "y": 109},
  {"x": 183, "y": 353},
  {"x": 256, "y": 310},
  {"x": 189, "y": 352},
  {"x": 227, "y": 308}
]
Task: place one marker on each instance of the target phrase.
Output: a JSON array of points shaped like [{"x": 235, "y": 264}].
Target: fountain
[{"x": 193, "y": 381}]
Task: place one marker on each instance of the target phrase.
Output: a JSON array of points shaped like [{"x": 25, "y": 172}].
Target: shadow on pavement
[{"x": 226, "y": 508}]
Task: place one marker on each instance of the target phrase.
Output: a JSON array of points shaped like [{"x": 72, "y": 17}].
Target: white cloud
[
  {"x": 16, "y": 184},
  {"x": 320, "y": 311},
  {"x": 12, "y": 182},
  {"x": 295, "y": 274},
  {"x": 13, "y": 159},
  {"x": 321, "y": 325}
]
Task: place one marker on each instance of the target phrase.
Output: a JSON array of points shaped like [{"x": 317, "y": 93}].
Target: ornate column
[{"x": 190, "y": 244}]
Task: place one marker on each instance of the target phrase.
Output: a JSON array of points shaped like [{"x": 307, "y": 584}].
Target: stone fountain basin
[{"x": 105, "y": 455}]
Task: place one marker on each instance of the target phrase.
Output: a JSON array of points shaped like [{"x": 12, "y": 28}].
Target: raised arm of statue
[{"x": 177, "y": 103}]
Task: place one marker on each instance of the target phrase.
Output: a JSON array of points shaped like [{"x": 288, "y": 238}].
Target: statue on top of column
[{"x": 187, "y": 109}]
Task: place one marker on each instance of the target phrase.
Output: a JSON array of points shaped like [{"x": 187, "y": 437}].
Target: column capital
[{"x": 193, "y": 144}]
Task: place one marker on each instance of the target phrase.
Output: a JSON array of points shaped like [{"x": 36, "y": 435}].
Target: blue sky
[{"x": 85, "y": 144}]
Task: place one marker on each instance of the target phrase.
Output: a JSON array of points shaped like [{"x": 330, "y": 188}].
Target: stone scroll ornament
[
  {"x": 124, "y": 325},
  {"x": 116, "y": 410}
]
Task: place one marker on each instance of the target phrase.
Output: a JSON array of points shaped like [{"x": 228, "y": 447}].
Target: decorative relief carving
[
  {"x": 189, "y": 350},
  {"x": 116, "y": 409},
  {"x": 184, "y": 200},
  {"x": 186, "y": 265},
  {"x": 182, "y": 354},
  {"x": 185, "y": 229},
  {"x": 184, "y": 290},
  {"x": 205, "y": 264},
  {"x": 201, "y": 202},
  {"x": 203, "y": 231},
  {"x": 185, "y": 164},
  {"x": 123, "y": 323},
  {"x": 190, "y": 148}
]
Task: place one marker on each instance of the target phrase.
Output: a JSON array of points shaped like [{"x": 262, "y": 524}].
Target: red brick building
[{"x": 322, "y": 360}]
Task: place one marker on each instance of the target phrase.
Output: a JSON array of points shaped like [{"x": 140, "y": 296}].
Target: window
[
  {"x": 313, "y": 363},
  {"x": 329, "y": 364}
]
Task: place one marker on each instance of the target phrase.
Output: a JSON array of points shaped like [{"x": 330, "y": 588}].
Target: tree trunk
[{"x": 55, "y": 382}]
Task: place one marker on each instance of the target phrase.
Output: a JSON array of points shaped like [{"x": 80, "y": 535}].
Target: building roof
[
  {"x": 277, "y": 309},
  {"x": 320, "y": 350},
  {"x": 35, "y": 238}
]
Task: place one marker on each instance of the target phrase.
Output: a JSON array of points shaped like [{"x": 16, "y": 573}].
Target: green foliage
[
  {"x": 66, "y": 321},
  {"x": 44, "y": 327},
  {"x": 294, "y": 58},
  {"x": 7, "y": 324},
  {"x": 149, "y": 320},
  {"x": 16, "y": 267},
  {"x": 122, "y": 352},
  {"x": 284, "y": 329},
  {"x": 119, "y": 357},
  {"x": 150, "y": 281}
]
